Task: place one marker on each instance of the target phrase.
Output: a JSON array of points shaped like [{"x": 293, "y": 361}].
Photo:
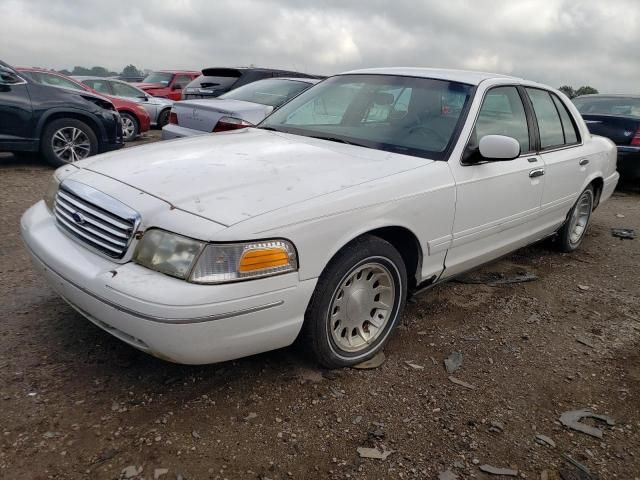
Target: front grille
[{"x": 95, "y": 219}]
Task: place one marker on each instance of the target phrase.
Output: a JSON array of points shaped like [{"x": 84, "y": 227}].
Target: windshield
[
  {"x": 267, "y": 92},
  {"x": 608, "y": 105},
  {"x": 158, "y": 77},
  {"x": 415, "y": 116}
]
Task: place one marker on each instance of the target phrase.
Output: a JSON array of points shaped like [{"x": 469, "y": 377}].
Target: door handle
[
  {"x": 532, "y": 160},
  {"x": 583, "y": 162},
  {"x": 536, "y": 172}
]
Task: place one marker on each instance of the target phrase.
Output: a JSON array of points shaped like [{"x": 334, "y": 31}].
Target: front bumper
[
  {"x": 163, "y": 316},
  {"x": 629, "y": 162},
  {"x": 171, "y": 131}
]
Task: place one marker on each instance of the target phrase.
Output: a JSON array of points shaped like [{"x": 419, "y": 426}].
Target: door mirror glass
[
  {"x": 9, "y": 77},
  {"x": 176, "y": 86},
  {"x": 499, "y": 147}
]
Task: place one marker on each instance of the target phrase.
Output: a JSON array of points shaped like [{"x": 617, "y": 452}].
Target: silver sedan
[{"x": 157, "y": 108}]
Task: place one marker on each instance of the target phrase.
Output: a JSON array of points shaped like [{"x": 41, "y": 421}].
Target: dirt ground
[{"x": 76, "y": 403}]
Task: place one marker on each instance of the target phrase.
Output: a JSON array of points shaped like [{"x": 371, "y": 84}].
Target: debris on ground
[
  {"x": 572, "y": 419},
  {"x": 159, "y": 472},
  {"x": 574, "y": 470},
  {"x": 453, "y": 362},
  {"x": 585, "y": 341},
  {"x": 366, "y": 452},
  {"x": 544, "y": 440},
  {"x": 251, "y": 416},
  {"x": 623, "y": 233},
  {"x": 415, "y": 366},
  {"x": 461, "y": 383},
  {"x": 130, "y": 472},
  {"x": 373, "y": 362},
  {"x": 584, "y": 288},
  {"x": 499, "y": 471},
  {"x": 309, "y": 375},
  {"x": 496, "y": 427},
  {"x": 447, "y": 475},
  {"x": 495, "y": 279}
]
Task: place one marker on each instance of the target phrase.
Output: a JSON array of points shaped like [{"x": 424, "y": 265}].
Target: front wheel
[
  {"x": 163, "y": 118},
  {"x": 130, "y": 127},
  {"x": 572, "y": 233},
  {"x": 357, "y": 303},
  {"x": 67, "y": 140}
]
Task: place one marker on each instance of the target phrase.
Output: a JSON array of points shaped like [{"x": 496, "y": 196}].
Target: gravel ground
[{"x": 76, "y": 403}]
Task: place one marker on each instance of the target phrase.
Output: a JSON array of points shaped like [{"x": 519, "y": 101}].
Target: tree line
[
  {"x": 128, "y": 71},
  {"x": 572, "y": 93}
]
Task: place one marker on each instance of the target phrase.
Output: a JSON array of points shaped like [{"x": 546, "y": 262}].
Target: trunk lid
[{"x": 203, "y": 115}]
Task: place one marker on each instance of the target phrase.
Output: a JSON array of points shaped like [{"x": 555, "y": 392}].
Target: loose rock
[
  {"x": 498, "y": 471},
  {"x": 374, "y": 453},
  {"x": 461, "y": 383},
  {"x": 453, "y": 362},
  {"x": 447, "y": 475},
  {"x": 544, "y": 440}
]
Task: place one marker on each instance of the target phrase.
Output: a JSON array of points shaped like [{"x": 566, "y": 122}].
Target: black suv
[
  {"x": 64, "y": 125},
  {"x": 216, "y": 81}
]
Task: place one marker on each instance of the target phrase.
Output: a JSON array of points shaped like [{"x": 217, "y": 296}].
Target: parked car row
[{"x": 319, "y": 222}]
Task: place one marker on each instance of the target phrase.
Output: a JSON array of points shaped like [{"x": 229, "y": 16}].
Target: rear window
[
  {"x": 163, "y": 78},
  {"x": 627, "y": 106},
  {"x": 214, "y": 82},
  {"x": 268, "y": 92}
]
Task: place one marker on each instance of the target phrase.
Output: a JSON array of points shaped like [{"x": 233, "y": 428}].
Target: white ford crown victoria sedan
[{"x": 318, "y": 223}]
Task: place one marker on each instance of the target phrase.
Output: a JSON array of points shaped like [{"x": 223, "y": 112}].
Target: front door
[
  {"x": 497, "y": 202},
  {"x": 16, "y": 126}
]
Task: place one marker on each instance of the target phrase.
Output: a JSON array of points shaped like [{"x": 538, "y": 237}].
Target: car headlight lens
[
  {"x": 243, "y": 261},
  {"x": 167, "y": 252},
  {"x": 54, "y": 184}
]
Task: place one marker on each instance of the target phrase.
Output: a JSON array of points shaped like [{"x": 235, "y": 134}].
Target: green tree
[
  {"x": 131, "y": 71},
  {"x": 586, "y": 90},
  {"x": 568, "y": 91}
]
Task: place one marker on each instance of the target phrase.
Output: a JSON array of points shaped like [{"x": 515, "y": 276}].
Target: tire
[
  {"x": 57, "y": 152},
  {"x": 573, "y": 231},
  {"x": 163, "y": 118},
  {"x": 130, "y": 127},
  {"x": 366, "y": 273}
]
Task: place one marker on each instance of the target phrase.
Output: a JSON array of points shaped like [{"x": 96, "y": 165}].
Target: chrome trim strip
[
  {"x": 66, "y": 224},
  {"x": 93, "y": 231},
  {"x": 153, "y": 318},
  {"x": 97, "y": 198},
  {"x": 92, "y": 210},
  {"x": 101, "y": 226}
]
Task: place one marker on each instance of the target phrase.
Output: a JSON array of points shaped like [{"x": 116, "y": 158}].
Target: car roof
[
  {"x": 213, "y": 71},
  {"x": 177, "y": 71},
  {"x": 294, "y": 79},
  {"x": 607, "y": 95},
  {"x": 463, "y": 76}
]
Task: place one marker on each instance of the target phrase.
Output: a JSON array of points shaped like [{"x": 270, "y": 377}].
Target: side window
[
  {"x": 181, "y": 81},
  {"x": 502, "y": 113},
  {"x": 568, "y": 125},
  {"x": 124, "y": 90},
  {"x": 56, "y": 81},
  {"x": 549, "y": 124},
  {"x": 100, "y": 86}
]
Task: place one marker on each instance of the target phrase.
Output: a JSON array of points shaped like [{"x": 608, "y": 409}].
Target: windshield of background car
[
  {"x": 414, "y": 116},
  {"x": 158, "y": 77},
  {"x": 628, "y": 106},
  {"x": 267, "y": 92}
]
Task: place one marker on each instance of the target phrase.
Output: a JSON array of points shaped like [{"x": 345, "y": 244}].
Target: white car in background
[
  {"x": 368, "y": 186},
  {"x": 242, "y": 107},
  {"x": 158, "y": 108}
]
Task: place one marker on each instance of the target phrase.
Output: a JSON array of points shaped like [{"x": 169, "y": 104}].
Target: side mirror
[
  {"x": 8, "y": 78},
  {"x": 499, "y": 147},
  {"x": 144, "y": 98},
  {"x": 176, "y": 86}
]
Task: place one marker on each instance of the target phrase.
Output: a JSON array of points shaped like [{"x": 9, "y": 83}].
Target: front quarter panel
[{"x": 421, "y": 200}]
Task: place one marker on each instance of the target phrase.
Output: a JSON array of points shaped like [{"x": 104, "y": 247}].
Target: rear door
[
  {"x": 16, "y": 113},
  {"x": 560, "y": 148},
  {"x": 497, "y": 202}
]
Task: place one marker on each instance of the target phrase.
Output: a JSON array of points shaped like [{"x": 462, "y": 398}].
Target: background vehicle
[
  {"x": 318, "y": 222},
  {"x": 242, "y": 107},
  {"x": 616, "y": 117},
  {"x": 216, "y": 81},
  {"x": 157, "y": 107},
  {"x": 64, "y": 125},
  {"x": 167, "y": 83},
  {"x": 135, "y": 119}
]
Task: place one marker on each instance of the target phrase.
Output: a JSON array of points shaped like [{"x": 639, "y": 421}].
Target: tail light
[
  {"x": 635, "y": 141},
  {"x": 230, "y": 123},
  {"x": 173, "y": 117}
]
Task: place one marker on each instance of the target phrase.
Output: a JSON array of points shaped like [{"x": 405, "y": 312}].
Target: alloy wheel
[
  {"x": 70, "y": 144},
  {"x": 580, "y": 216}
]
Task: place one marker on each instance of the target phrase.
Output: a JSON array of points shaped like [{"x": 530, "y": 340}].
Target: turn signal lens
[
  {"x": 260, "y": 259},
  {"x": 173, "y": 118}
]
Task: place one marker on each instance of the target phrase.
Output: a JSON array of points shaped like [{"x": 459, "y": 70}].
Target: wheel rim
[
  {"x": 70, "y": 144},
  {"x": 361, "y": 307},
  {"x": 128, "y": 127},
  {"x": 580, "y": 217}
]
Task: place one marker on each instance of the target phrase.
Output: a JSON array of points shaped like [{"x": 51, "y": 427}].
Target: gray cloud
[{"x": 552, "y": 41}]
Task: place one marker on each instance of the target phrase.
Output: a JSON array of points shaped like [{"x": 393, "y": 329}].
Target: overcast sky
[{"x": 575, "y": 42}]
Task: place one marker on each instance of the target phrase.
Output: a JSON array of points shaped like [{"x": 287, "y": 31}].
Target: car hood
[
  {"x": 231, "y": 177},
  {"x": 146, "y": 86}
]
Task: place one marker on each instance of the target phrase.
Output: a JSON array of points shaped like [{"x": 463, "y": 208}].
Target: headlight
[
  {"x": 198, "y": 262},
  {"x": 54, "y": 184},
  {"x": 242, "y": 261},
  {"x": 167, "y": 252}
]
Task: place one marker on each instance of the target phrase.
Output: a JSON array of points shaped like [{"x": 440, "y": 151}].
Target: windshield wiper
[{"x": 336, "y": 139}]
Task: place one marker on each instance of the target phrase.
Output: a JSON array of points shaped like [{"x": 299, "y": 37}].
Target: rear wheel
[
  {"x": 163, "y": 118},
  {"x": 357, "y": 302},
  {"x": 572, "y": 233},
  {"x": 68, "y": 140},
  {"x": 130, "y": 128}
]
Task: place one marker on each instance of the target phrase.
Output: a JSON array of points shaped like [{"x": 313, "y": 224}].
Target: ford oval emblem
[{"x": 78, "y": 218}]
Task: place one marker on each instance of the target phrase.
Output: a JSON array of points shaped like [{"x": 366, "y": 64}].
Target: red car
[
  {"x": 135, "y": 118},
  {"x": 167, "y": 83}
]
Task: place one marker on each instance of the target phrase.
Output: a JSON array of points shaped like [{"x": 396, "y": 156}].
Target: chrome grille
[{"x": 95, "y": 219}]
